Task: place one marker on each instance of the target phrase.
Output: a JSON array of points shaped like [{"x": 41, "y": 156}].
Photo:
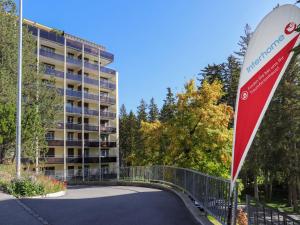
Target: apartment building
[{"x": 86, "y": 136}]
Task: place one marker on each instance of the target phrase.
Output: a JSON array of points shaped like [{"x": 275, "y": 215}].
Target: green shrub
[{"x": 24, "y": 187}]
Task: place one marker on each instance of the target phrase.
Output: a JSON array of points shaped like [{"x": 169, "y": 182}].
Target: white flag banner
[{"x": 267, "y": 57}]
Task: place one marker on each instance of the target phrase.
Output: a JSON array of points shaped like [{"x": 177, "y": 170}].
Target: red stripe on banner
[{"x": 253, "y": 97}]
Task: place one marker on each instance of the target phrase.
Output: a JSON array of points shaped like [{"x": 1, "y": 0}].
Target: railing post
[
  {"x": 185, "y": 184},
  {"x": 248, "y": 209},
  {"x": 235, "y": 202}
]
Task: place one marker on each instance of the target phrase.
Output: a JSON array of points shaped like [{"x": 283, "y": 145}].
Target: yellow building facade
[{"x": 84, "y": 143}]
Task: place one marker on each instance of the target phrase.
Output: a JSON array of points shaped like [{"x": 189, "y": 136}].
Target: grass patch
[{"x": 213, "y": 220}]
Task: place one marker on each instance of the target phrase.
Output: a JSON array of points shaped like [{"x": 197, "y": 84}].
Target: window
[
  {"x": 86, "y": 105},
  {"x": 86, "y": 74},
  {"x": 48, "y": 49},
  {"x": 79, "y": 136},
  {"x": 104, "y": 123},
  {"x": 79, "y": 172},
  {"x": 70, "y": 55},
  {"x": 86, "y": 90},
  {"x": 79, "y": 153},
  {"x": 104, "y": 108},
  {"x": 86, "y": 136},
  {"x": 104, "y": 169},
  {"x": 50, "y": 152},
  {"x": 104, "y": 153},
  {"x": 70, "y": 87},
  {"x": 104, "y": 137},
  {"x": 70, "y": 171},
  {"x": 70, "y": 152},
  {"x": 70, "y": 119},
  {"x": 86, "y": 120},
  {"x": 70, "y": 103},
  {"x": 86, "y": 59},
  {"x": 70, "y": 71},
  {"x": 50, "y": 135},
  {"x": 49, "y": 66},
  {"x": 50, "y": 171},
  {"x": 70, "y": 136},
  {"x": 104, "y": 94},
  {"x": 86, "y": 152}
]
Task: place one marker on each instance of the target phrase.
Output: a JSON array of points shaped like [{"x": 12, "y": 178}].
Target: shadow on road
[{"x": 113, "y": 206}]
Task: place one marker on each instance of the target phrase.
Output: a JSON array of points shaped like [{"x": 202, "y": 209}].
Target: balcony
[
  {"x": 72, "y": 159},
  {"x": 52, "y": 55},
  {"x": 87, "y": 127},
  {"x": 77, "y": 142},
  {"x": 78, "y": 110},
  {"x": 75, "y": 61},
  {"x": 75, "y": 77},
  {"x": 78, "y": 95},
  {"x": 59, "y": 39},
  {"x": 104, "y": 129}
]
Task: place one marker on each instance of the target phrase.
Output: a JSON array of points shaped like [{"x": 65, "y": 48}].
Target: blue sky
[{"x": 158, "y": 43}]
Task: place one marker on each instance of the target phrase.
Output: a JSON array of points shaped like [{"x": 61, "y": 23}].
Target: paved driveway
[{"x": 112, "y": 205}]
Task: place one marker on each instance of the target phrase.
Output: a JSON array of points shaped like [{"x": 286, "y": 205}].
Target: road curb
[{"x": 50, "y": 195}]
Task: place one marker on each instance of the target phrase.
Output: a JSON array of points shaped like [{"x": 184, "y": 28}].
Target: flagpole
[{"x": 19, "y": 96}]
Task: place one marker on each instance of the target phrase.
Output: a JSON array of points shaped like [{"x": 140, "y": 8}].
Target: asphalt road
[{"x": 112, "y": 205}]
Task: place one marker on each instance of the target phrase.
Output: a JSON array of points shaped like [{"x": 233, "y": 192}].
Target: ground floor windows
[{"x": 50, "y": 171}]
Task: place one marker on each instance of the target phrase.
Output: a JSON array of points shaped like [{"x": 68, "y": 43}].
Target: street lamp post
[{"x": 19, "y": 96}]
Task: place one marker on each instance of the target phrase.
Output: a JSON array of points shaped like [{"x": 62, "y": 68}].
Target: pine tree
[
  {"x": 142, "y": 112},
  {"x": 244, "y": 42},
  {"x": 153, "y": 111},
  {"x": 168, "y": 109},
  {"x": 123, "y": 135},
  {"x": 211, "y": 73},
  {"x": 233, "y": 70}
]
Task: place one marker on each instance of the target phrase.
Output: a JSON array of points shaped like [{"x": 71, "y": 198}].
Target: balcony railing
[
  {"x": 52, "y": 55},
  {"x": 72, "y": 159},
  {"x": 75, "y": 61},
  {"x": 58, "y": 38},
  {"x": 78, "y": 110},
  {"x": 88, "y": 127},
  {"x": 71, "y": 76},
  {"x": 76, "y": 142},
  {"x": 78, "y": 94}
]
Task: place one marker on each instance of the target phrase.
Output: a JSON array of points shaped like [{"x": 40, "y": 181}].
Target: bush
[
  {"x": 30, "y": 184},
  {"x": 24, "y": 187}
]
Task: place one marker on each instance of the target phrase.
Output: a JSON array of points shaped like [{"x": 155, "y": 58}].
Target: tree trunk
[
  {"x": 294, "y": 195},
  {"x": 256, "y": 195}
]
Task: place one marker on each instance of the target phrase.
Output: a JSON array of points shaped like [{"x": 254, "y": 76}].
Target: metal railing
[
  {"x": 259, "y": 213},
  {"x": 210, "y": 193}
]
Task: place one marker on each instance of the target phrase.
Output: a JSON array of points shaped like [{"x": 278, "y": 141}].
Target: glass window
[
  {"x": 70, "y": 103},
  {"x": 70, "y": 55},
  {"x": 70, "y": 87},
  {"x": 49, "y": 171},
  {"x": 70, "y": 119},
  {"x": 48, "y": 49},
  {"x": 104, "y": 153},
  {"x": 70, "y": 136},
  {"x": 70, "y": 70},
  {"x": 50, "y": 152},
  {"x": 71, "y": 152},
  {"x": 50, "y": 135},
  {"x": 49, "y": 66}
]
